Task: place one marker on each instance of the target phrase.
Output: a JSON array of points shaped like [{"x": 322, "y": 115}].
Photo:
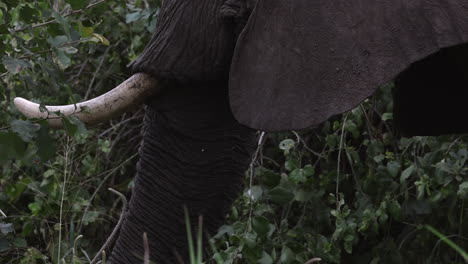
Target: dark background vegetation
[{"x": 350, "y": 191}]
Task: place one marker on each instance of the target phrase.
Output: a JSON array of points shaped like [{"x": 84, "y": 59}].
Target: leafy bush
[
  {"x": 52, "y": 183},
  {"x": 351, "y": 191}
]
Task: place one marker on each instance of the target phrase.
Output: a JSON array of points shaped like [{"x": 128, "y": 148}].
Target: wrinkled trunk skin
[{"x": 194, "y": 154}]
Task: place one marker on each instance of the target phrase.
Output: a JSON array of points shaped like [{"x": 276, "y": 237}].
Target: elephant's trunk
[
  {"x": 194, "y": 154},
  {"x": 130, "y": 93}
]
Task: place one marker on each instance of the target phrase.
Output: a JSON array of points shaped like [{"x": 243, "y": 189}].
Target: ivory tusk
[{"x": 128, "y": 94}]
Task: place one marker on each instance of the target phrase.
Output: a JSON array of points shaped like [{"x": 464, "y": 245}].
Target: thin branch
[
  {"x": 146, "y": 256},
  {"x": 2, "y": 214},
  {"x": 314, "y": 260},
  {"x": 62, "y": 199},
  {"x": 300, "y": 139},
  {"x": 339, "y": 161},
  {"x": 114, "y": 126},
  {"x": 75, "y": 245},
  {"x": 251, "y": 172},
  {"x": 75, "y": 12},
  {"x": 113, "y": 235},
  {"x": 86, "y": 255},
  {"x": 90, "y": 86},
  {"x": 49, "y": 50}
]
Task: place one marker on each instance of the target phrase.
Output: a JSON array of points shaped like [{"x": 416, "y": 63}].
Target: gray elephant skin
[{"x": 231, "y": 67}]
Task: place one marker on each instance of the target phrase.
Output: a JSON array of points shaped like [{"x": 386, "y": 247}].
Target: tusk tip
[
  {"x": 22, "y": 105},
  {"x": 19, "y": 101}
]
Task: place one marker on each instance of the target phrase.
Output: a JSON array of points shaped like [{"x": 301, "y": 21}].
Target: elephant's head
[
  {"x": 293, "y": 64},
  {"x": 285, "y": 64}
]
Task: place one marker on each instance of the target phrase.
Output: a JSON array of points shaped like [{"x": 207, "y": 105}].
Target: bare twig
[
  {"x": 339, "y": 161},
  {"x": 109, "y": 173},
  {"x": 251, "y": 170},
  {"x": 113, "y": 127},
  {"x": 113, "y": 235},
  {"x": 49, "y": 50},
  {"x": 2, "y": 214},
  {"x": 300, "y": 139},
  {"x": 75, "y": 243},
  {"x": 146, "y": 256},
  {"x": 90, "y": 86},
  {"x": 75, "y": 12},
  {"x": 103, "y": 257},
  {"x": 86, "y": 255},
  {"x": 178, "y": 257},
  {"x": 62, "y": 199},
  {"x": 314, "y": 260}
]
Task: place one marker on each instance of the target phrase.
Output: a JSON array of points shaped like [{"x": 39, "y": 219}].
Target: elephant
[{"x": 217, "y": 71}]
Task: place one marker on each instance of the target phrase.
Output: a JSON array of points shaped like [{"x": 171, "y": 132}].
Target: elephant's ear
[{"x": 298, "y": 62}]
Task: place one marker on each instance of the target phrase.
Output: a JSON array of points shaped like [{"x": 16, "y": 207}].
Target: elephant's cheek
[{"x": 194, "y": 156}]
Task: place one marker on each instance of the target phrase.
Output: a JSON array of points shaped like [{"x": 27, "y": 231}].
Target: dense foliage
[{"x": 351, "y": 191}]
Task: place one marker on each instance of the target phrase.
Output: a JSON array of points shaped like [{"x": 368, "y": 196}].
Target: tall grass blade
[
  {"x": 189, "y": 236},
  {"x": 448, "y": 242}
]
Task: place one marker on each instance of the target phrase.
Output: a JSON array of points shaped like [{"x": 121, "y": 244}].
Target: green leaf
[
  {"x": 261, "y": 226},
  {"x": 281, "y": 195},
  {"x": 393, "y": 168},
  {"x": 301, "y": 175},
  {"x": 225, "y": 229},
  {"x": 407, "y": 173},
  {"x": 132, "y": 17},
  {"x": 266, "y": 259},
  {"x": 14, "y": 65},
  {"x": 20, "y": 242},
  {"x": 74, "y": 127},
  {"x": 268, "y": 177},
  {"x": 4, "y": 29},
  {"x": 45, "y": 144},
  {"x": 463, "y": 190},
  {"x": 90, "y": 217},
  {"x": 77, "y": 4},
  {"x": 303, "y": 196},
  {"x": 287, "y": 145},
  {"x": 25, "y": 129},
  {"x": 255, "y": 193},
  {"x": 35, "y": 207},
  {"x": 292, "y": 164},
  {"x": 11, "y": 145},
  {"x": 28, "y": 14},
  {"x": 62, "y": 60},
  {"x": 101, "y": 39},
  {"x": 387, "y": 116},
  {"x": 287, "y": 255},
  {"x": 63, "y": 22},
  {"x": 58, "y": 40},
  {"x": 348, "y": 246},
  {"x": 85, "y": 32},
  {"x": 379, "y": 158},
  {"x": 4, "y": 244},
  {"x": 332, "y": 140},
  {"x": 69, "y": 50},
  {"x": 6, "y": 228},
  {"x": 297, "y": 176}
]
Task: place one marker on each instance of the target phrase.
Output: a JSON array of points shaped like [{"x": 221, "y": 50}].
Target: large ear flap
[{"x": 298, "y": 62}]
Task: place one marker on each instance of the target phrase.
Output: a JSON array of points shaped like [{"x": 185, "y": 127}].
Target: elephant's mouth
[{"x": 122, "y": 98}]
